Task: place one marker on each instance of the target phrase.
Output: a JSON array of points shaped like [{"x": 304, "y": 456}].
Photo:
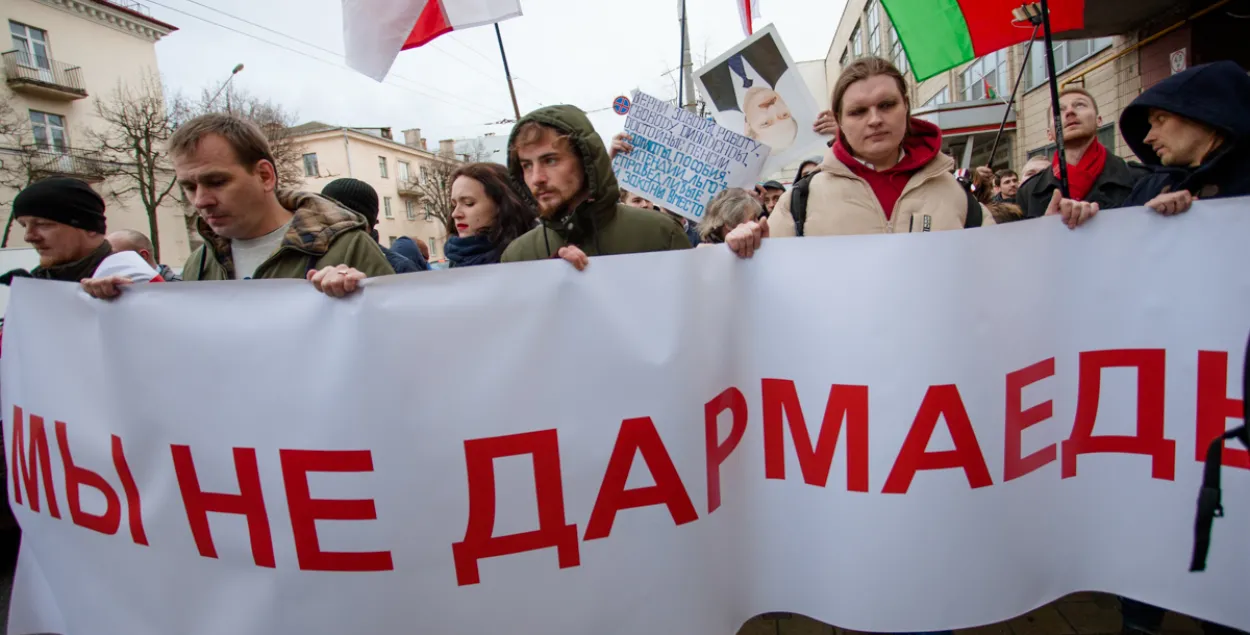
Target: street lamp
[{"x": 235, "y": 71}]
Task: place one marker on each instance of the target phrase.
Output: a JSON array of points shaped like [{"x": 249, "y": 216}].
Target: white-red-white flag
[
  {"x": 749, "y": 11},
  {"x": 375, "y": 31}
]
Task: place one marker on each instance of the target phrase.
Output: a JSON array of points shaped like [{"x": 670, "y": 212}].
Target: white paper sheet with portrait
[{"x": 756, "y": 89}]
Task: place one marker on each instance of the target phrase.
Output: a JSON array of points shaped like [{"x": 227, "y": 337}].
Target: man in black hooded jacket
[{"x": 1193, "y": 130}]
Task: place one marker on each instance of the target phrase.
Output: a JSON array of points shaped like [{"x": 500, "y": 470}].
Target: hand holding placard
[{"x": 679, "y": 160}]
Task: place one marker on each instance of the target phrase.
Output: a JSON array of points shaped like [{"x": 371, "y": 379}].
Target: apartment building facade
[
  {"x": 396, "y": 170},
  {"x": 1127, "y": 46},
  {"x": 59, "y": 56}
]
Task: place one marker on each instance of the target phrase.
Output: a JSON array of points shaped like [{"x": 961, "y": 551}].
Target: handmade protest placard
[
  {"x": 681, "y": 160},
  {"x": 756, "y": 88},
  {"x": 886, "y": 433}
]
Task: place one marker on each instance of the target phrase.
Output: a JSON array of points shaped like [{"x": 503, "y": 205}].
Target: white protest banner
[
  {"x": 681, "y": 160},
  {"x": 886, "y": 433}
]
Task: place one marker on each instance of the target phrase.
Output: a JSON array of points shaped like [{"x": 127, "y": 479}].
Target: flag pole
[
  {"x": 1054, "y": 99},
  {"x": 1011, "y": 104},
  {"x": 681, "y": 76},
  {"x": 507, "y": 73}
]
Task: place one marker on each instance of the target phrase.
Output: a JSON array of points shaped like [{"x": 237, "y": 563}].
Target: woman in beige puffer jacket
[{"x": 884, "y": 174}]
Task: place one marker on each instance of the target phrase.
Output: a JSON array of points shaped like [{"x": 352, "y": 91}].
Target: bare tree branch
[
  {"x": 12, "y": 127},
  {"x": 140, "y": 123},
  {"x": 434, "y": 184},
  {"x": 475, "y": 152}
]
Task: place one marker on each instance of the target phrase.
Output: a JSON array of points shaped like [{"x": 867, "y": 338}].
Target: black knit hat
[
  {"x": 64, "y": 200},
  {"x": 356, "y": 195}
]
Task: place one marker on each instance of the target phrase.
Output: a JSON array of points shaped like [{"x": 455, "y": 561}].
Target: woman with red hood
[{"x": 884, "y": 174}]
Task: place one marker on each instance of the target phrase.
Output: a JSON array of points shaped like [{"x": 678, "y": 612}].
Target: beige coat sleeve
[{"x": 780, "y": 222}]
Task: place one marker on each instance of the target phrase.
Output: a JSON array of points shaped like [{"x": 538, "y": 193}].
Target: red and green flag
[{"x": 939, "y": 35}]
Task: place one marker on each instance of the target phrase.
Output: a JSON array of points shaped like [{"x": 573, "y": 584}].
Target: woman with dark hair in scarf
[{"x": 488, "y": 215}]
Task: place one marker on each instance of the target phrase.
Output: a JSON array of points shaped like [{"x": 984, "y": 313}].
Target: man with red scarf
[{"x": 1095, "y": 175}]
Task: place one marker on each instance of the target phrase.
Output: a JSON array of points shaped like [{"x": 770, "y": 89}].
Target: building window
[
  {"x": 393, "y": 238},
  {"x": 386, "y": 206},
  {"x": 310, "y": 165},
  {"x": 403, "y": 171},
  {"x": 1068, "y": 53},
  {"x": 425, "y": 175},
  {"x": 382, "y": 167},
  {"x": 31, "y": 45},
  {"x": 433, "y": 242},
  {"x": 49, "y": 130},
  {"x": 857, "y": 43},
  {"x": 874, "y": 27},
  {"x": 942, "y": 97},
  {"x": 429, "y": 211},
  {"x": 1106, "y": 136},
  {"x": 411, "y": 208},
  {"x": 897, "y": 53},
  {"x": 984, "y": 78},
  {"x": 846, "y": 58}
]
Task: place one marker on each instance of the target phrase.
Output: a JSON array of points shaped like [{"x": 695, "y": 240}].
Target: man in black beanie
[
  {"x": 360, "y": 197},
  {"x": 64, "y": 222}
]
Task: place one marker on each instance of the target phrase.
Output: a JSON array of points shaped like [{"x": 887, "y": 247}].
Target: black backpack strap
[
  {"x": 973, "y": 217},
  {"x": 798, "y": 203},
  {"x": 1209, "y": 505}
]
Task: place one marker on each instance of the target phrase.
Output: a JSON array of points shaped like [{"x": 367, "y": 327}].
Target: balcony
[
  {"x": 43, "y": 77},
  {"x": 42, "y": 162},
  {"x": 410, "y": 188}
]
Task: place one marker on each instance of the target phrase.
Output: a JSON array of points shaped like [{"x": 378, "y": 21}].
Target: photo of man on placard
[
  {"x": 746, "y": 82},
  {"x": 755, "y": 88}
]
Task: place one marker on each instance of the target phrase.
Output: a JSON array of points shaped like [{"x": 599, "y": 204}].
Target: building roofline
[
  {"x": 368, "y": 137},
  {"x": 136, "y": 14}
]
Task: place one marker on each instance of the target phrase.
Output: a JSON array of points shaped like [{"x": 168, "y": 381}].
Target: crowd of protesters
[{"x": 884, "y": 172}]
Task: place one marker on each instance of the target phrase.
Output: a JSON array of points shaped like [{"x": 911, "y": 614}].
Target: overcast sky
[{"x": 583, "y": 52}]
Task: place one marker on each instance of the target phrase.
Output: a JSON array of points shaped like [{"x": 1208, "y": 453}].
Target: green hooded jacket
[
  {"x": 322, "y": 234},
  {"x": 600, "y": 226}
]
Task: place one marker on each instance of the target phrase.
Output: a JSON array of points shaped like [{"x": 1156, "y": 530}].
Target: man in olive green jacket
[
  {"x": 251, "y": 229},
  {"x": 557, "y": 155},
  {"x": 320, "y": 234}
]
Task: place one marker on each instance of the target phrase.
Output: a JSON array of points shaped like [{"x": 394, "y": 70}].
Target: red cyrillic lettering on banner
[
  {"x": 940, "y": 402},
  {"x": 479, "y": 541},
  {"x": 1018, "y": 419},
  {"x": 1215, "y": 408},
  {"x": 781, "y": 401},
  {"x": 732, "y": 400},
  {"x": 639, "y": 436},
  {"x": 306, "y": 510},
  {"x": 1151, "y": 367},
  {"x": 249, "y": 502},
  {"x": 134, "y": 508},
  {"x": 40, "y": 463},
  {"x": 77, "y": 477}
]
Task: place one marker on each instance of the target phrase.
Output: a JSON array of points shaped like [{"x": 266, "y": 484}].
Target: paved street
[{"x": 1076, "y": 614}]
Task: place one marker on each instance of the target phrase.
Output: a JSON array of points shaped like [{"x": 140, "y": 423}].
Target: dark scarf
[
  {"x": 467, "y": 252},
  {"x": 77, "y": 270}
]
